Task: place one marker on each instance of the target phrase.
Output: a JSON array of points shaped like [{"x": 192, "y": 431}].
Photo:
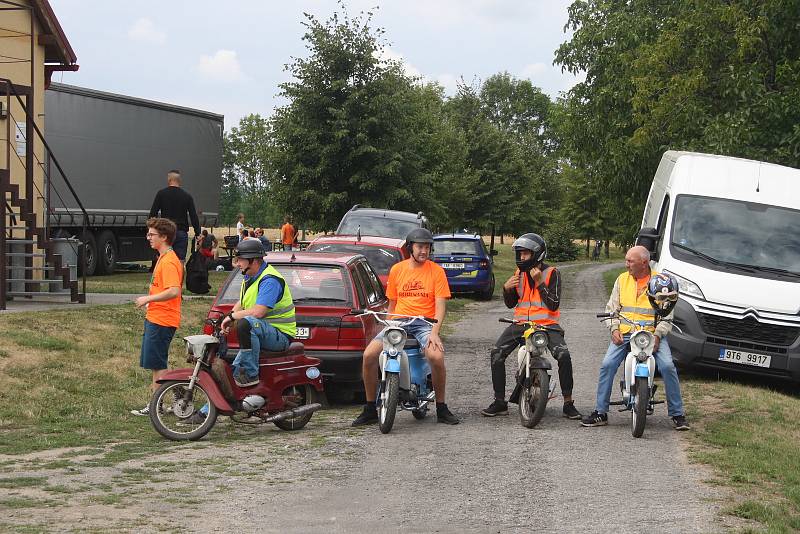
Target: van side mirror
[{"x": 648, "y": 238}]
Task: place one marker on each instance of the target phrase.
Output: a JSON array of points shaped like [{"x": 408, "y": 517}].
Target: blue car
[{"x": 467, "y": 263}]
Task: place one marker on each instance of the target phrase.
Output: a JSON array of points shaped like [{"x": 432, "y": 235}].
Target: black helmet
[
  {"x": 249, "y": 249},
  {"x": 662, "y": 292},
  {"x": 419, "y": 235},
  {"x": 536, "y": 245}
]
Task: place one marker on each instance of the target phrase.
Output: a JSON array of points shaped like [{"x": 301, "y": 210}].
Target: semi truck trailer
[{"x": 116, "y": 151}]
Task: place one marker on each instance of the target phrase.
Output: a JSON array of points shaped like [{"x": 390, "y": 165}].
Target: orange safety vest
[{"x": 530, "y": 306}]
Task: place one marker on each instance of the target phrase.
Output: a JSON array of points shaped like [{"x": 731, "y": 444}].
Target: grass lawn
[{"x": 747, "y": 433}]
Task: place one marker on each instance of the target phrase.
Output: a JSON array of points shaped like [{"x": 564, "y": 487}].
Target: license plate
[
  {"x": 744, "y": 358},
  {"x": 303, "y": 332},
  {"x": 452, "y": 266}
]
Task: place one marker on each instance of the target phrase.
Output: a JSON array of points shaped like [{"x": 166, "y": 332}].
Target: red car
[
  {"x": 327, "y": 288},
  {"x": 381, "y": 252}
]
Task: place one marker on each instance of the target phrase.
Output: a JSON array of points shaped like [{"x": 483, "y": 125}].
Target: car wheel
[{"x": 487, "y": 294}]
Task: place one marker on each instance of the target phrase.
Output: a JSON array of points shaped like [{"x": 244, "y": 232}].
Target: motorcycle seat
[{"x": 294, "y": 349}]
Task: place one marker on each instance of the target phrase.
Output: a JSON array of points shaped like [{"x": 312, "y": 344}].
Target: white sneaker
[{"x": 143, "y": 411}]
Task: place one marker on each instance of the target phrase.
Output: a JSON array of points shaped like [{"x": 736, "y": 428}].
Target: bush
[{"x": 560, "y": 246}]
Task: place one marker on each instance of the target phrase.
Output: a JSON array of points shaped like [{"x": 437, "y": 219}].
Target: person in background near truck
[
  {"x": 174, "y": 203},
  {"x": 163, "y": 303},
  {"x": 287, "y": 234},
  {"x": 240, "y": 226},
  {"x": 207, "y": 244}
]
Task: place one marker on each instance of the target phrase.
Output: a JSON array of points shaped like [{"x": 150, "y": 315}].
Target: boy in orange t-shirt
[
  {"x": 163, "y": 302},
  {"x": 417, "y": 286}
]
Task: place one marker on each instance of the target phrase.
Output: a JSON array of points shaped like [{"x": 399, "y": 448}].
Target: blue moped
[{"x": 405, "y": 381}]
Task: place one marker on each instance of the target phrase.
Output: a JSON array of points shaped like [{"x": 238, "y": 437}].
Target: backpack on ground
[{"x": 197, "y": 274}]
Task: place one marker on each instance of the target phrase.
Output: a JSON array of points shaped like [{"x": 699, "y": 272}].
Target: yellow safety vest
[
  {"x": 530, "y": 306},
  {"x": 282, "y": 315},
  {"x": 634, "y": 307}
]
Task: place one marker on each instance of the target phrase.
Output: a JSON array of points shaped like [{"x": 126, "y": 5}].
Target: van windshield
[
  {"x": 376, "y": 226},
  {"x": 738, "y": 233}
]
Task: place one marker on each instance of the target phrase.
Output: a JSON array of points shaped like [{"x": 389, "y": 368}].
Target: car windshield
[
  {"x": 377, "y": 226},
  {"x": 731, "y": 231},
  {"x": 380, "y": 258},
  {"x": 319, "y": 285},
  {"x": 457, "y": 247}
]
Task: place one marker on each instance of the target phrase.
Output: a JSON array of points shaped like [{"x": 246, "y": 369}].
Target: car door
[{"x": 375, "y": 297}]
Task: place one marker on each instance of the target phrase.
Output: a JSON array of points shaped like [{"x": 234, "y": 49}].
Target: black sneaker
[
  {"x": 595, "y": 419},
  {"x": 443, "y": 415},
  {"x": 244, "y": 381},
  {"x": 368, "y": 416},
  {"x": 498, "y": 407},
  {"x": 569, "y": 411},
  {"x": 680, "y": 422}
]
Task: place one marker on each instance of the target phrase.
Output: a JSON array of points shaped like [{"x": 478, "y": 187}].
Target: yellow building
[{"x": 32, "y": 47}]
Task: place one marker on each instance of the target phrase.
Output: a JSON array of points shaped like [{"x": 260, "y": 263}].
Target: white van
[{"x": 729, "y": 230}]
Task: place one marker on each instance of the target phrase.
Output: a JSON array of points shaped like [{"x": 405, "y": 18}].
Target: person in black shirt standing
[{"x": 174, "y": 203}]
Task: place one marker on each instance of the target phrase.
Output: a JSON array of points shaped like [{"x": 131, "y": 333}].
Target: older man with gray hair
[{"x": 630, "y": 293}]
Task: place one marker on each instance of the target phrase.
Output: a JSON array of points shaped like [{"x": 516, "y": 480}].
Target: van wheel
[{"x": 106, "y": 253}]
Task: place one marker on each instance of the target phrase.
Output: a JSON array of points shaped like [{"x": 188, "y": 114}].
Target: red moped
[{"x": 186, "y": 405}]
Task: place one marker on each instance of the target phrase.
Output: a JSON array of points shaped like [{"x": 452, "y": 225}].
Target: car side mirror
[
  {"x": 356, "y": 312},
  {"x": 648, "y": 238},
  {"x": 493, "y": 253}
]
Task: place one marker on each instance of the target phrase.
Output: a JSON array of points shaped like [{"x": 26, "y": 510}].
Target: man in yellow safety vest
[
  {"x": 631, "y": 297},
  {"x": 264, "y": 313}
]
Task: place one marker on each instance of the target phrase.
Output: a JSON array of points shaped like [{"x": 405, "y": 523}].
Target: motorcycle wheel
[
  {"x": 170, "y": 416},
  {"x": 420, "y": 413},
  {"x": 640, "y": 403},
  {"x": 388, "y": 396},
  {"x": 294, "y": 397},
  {"x": 533, "y": 400}
]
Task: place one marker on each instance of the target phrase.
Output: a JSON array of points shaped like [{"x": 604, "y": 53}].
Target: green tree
[
  {"x": 247, "y": 172},
  {"x": 356, "y": 129},
  {"x": 704, "y": 75}
]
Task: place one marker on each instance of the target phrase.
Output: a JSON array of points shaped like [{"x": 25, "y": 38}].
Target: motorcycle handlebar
[
  {"x": 504, "y": 320},
  {"x": 603, "y": 315}
]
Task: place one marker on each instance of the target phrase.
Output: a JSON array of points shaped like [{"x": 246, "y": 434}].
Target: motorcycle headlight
[
  {"x": 394, "y": 337},
  {"x": 539, "y": 339},
  {"x": 641, "y": 340},
  {"x": 687, "y": 287}
]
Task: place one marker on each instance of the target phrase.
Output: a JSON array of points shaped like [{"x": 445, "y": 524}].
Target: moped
[
  {"x": 405, "y": 381},
  {"x": 535, "y": 384},
  {"x": 186, "y": 405},
  {"x": 637, "y": 387}
]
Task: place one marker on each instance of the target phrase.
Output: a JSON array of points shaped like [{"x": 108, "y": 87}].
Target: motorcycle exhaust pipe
[{"x": 294, "y": 412}]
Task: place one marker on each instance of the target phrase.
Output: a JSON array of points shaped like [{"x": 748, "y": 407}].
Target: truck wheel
[
  {"x": 91, "y": 255},
  {"x": 106, "y": 253}
]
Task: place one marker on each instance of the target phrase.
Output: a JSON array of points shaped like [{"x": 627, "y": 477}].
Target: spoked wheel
[
  {"x": 175, "y": 411},
  {"x": 533, "y": 400},
  {"x": 294, "y": 397},
  {"x": 387, "y": 397},
  {"x": 640, "y": 403}
]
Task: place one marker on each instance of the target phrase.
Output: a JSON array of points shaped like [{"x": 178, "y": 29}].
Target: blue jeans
[
  {"x": 180, "y": 244},
  {"x": 615, "y": 355},
  {"x": 262, "y": 336}
]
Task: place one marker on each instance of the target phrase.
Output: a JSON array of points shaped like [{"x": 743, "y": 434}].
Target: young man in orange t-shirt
[
  {"x": 417, "y": 286},
  {"x": 163, "y": 302},
  {"x": 288, "y": 234}
]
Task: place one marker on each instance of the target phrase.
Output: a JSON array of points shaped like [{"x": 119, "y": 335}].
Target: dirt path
[{"x": 484, "y": 475}]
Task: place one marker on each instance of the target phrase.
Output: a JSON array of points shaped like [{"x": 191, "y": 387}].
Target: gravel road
[{"x": 493, "y": 475}]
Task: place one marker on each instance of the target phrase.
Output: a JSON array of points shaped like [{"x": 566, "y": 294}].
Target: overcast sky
[{"x": 228, "y": 57}]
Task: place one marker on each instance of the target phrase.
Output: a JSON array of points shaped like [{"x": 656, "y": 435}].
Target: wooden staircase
[{"x": 54, "y": 272}]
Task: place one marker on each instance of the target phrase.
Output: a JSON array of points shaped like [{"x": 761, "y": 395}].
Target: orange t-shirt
[
  {"x": 416, "y": 289},
  {"x": 641, "y": 284},
  {"x": 168, "y": 273},
  {"x": 287, "y": 234}
]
